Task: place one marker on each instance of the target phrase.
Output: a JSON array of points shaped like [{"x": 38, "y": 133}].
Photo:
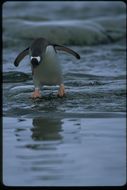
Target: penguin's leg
[
  {"x": 61, "y": 91},
  {"x": 37, "y": 86},
  {"x": 36, "y": 93}
]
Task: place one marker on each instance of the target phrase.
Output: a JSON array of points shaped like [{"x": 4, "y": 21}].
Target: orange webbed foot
[
  {"x": 61, "y": 91},
  {"x": 36, "y": 94}
]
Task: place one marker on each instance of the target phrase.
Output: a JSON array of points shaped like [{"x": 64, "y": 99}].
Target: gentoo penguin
[{"x": 45, "y": 65}]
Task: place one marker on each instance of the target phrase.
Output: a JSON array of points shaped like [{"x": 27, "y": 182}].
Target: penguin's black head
[{"x": 35, "y": 61}]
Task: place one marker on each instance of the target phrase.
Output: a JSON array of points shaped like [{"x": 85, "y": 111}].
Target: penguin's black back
[{"x": 38, "y": 46}]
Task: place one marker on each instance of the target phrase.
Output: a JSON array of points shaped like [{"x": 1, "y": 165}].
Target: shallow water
[
  {"x": 64, "y": 151},
  {"x": 78, "y": 139}
]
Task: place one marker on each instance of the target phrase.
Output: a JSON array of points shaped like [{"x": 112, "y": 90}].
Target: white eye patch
[{"x": 38, "y": 58}]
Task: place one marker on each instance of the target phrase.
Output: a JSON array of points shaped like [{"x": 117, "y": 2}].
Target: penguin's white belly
[{"x": 49, "y": 70}]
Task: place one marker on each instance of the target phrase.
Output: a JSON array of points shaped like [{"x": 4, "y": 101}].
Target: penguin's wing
[
  {"x": 21, "y": 56},
  {"x": 68, "y": 50}
]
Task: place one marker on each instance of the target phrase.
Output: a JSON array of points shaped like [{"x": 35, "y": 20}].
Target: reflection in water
[
  {"x": 46, "y": 129},
  {"x": 64, "y": 152}
]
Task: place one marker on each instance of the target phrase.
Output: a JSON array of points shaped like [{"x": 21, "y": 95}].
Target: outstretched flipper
[
  {"x": 68, "y": 50},
  {"x": 21, "y": 56}
]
